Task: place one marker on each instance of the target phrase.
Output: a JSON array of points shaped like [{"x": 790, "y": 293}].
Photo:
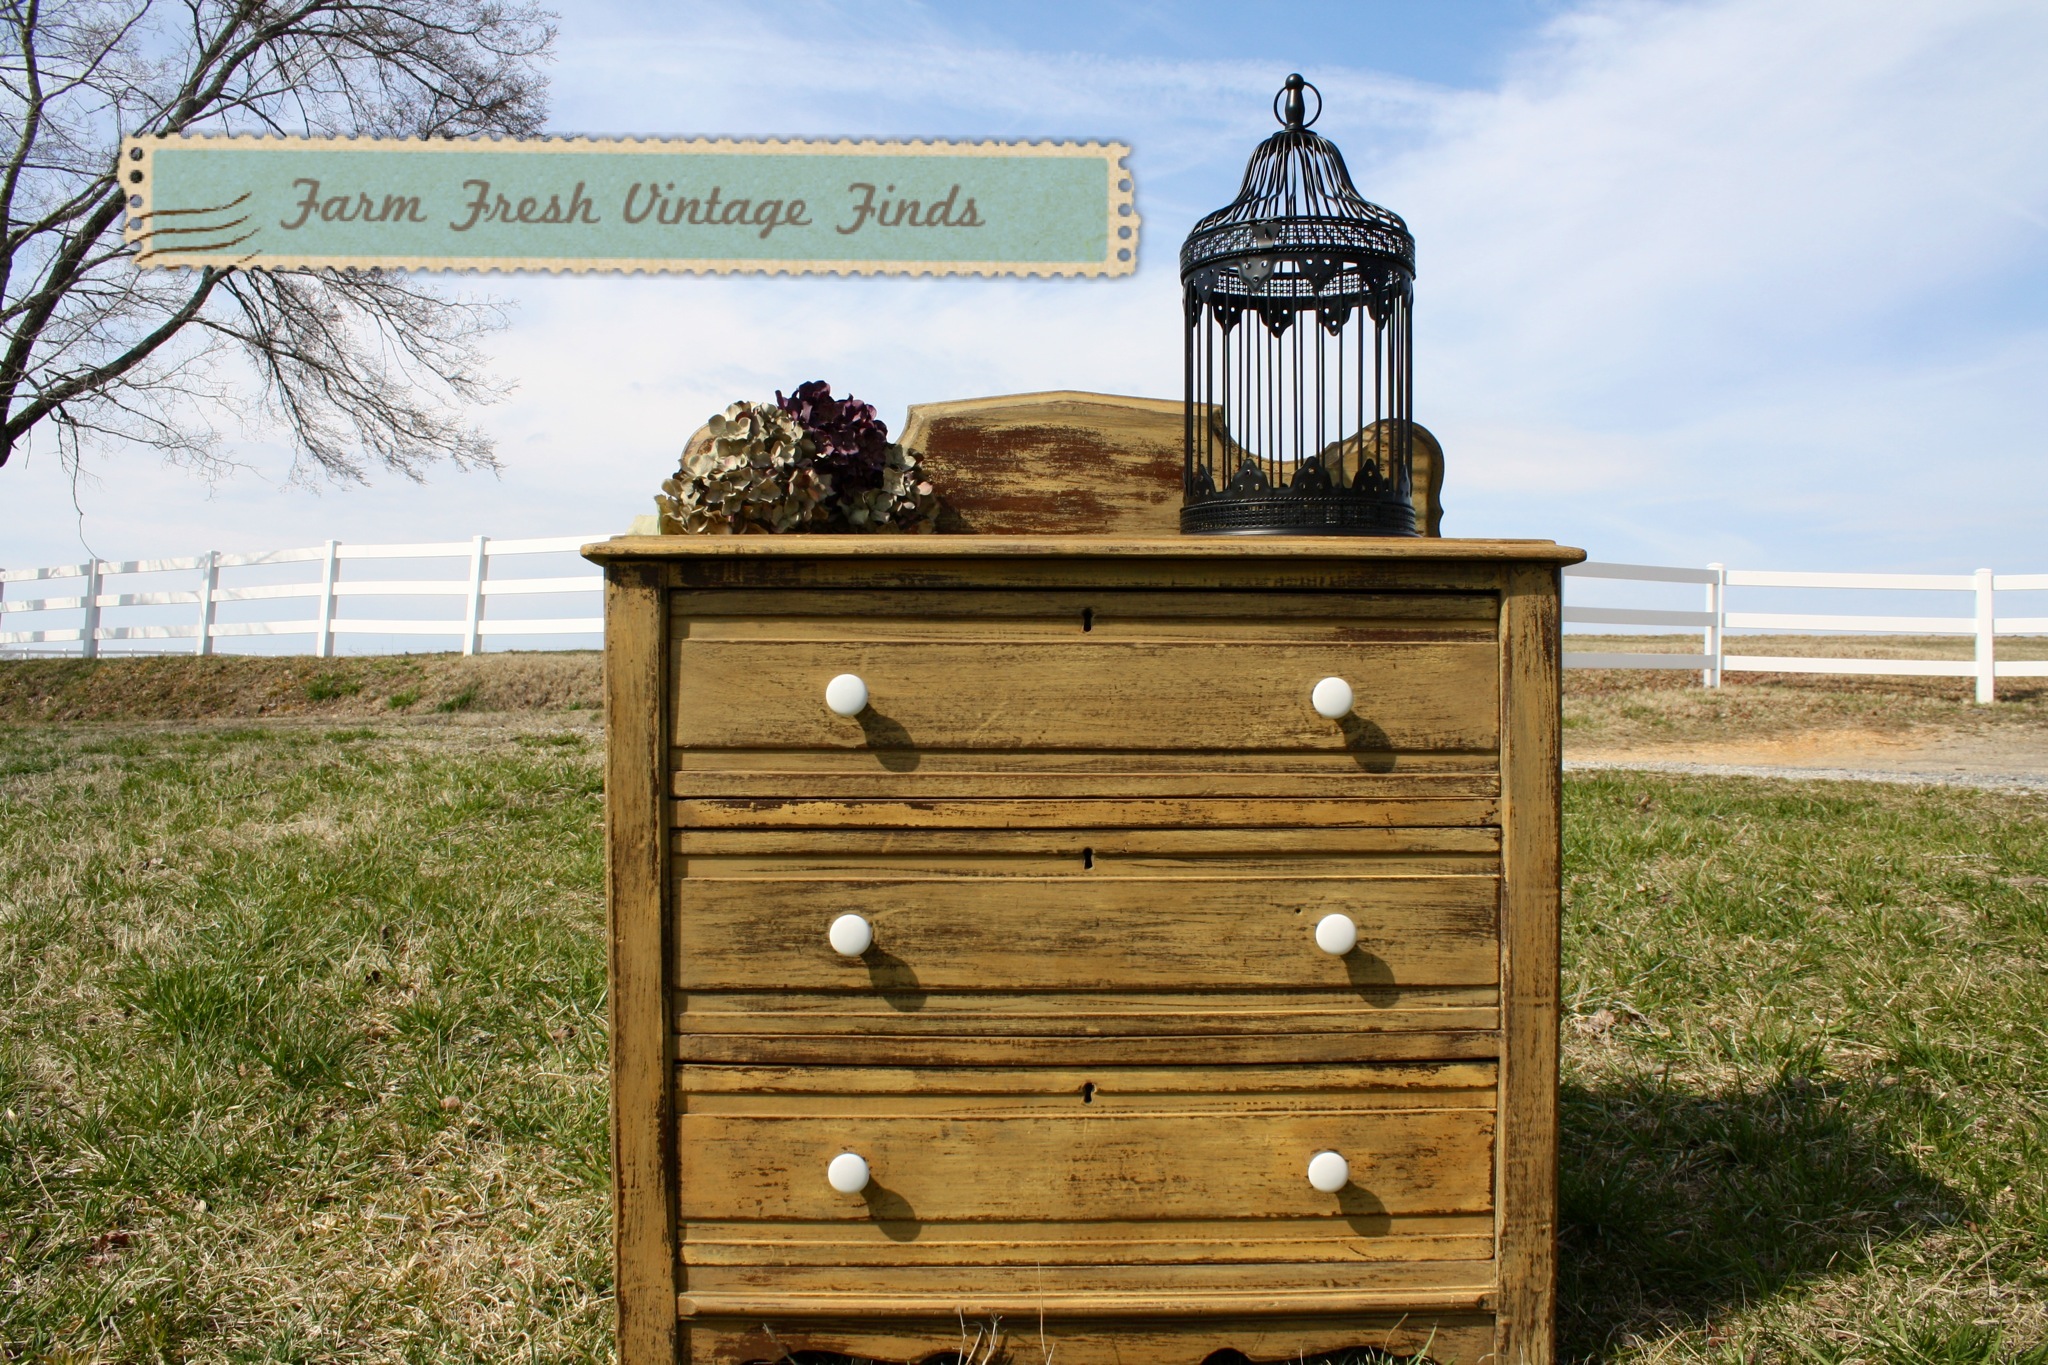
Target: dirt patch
[
  {"x": 1907, "y": 726},
  {"x": 1907, "y": 750},
  {"x": 246, "y": 688}
]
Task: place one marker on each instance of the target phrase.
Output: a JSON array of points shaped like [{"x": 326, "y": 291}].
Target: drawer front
[
  {"x": 1089, "y": 1167},
  {"x": 1029, "y": 947},
  {"x": 1116, "y": 1182},
  {"x": 1077, "y": 934},
  {"x": 1162, "y": 672}
]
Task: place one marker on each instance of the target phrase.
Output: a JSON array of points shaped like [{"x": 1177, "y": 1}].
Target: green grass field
[
  {"x": 301, "y": 1055},
  {"x": 302, "y": 1046}
]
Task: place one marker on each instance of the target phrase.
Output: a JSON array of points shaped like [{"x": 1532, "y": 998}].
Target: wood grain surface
[
  {"x": 924, "y": 812},
  {"x": 1209, "y": 1016},
  {"x": 1119, "y": 1291},
  {"x": 1089, "y": 1164},
  {"x": 1030, "y": 1337},
  {"x": 1066, "y": 933},
  {"x": 1531, "y": 830},
  {"x": 1072, "y": 463},
  {"x": 757, "y": 776},
  {"x": 1093, "y": 820},
  {"x": 643, "y": 1051},
  {"x": 1099, "y": 854},
  {"x": 1045, "y": 695},
  {"x": 931, "y": 563},
  {"x": 1267, "y": 1242},
  {"x": 1187, "y": 1088},
  {"x": 964, "y": 613},
  {"x": 1294, "y": 562},
  {"x": 1389, "y": 1035},
  {"x": 1053, "y": 464},
  {"x": 1108, "y": 771}
]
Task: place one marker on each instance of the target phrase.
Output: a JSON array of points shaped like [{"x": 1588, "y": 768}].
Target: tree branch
[
  {"x": 99, "y": 376},
  {"x": 359, "y": 369}
]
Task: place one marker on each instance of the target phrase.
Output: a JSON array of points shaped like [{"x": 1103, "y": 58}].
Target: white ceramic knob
[
  {"x": 849, "y": 1172},
  {"x": 1336, "y": 934},
  {"x": 1327, "y": 1171},
  {"x": 848, "y": 694},
  {"x": 1331, "y": 698},
  {"x": 851, "y": 935}
]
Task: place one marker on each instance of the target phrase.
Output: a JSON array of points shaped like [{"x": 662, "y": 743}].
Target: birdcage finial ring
[{"x": 1292, "y": 118}]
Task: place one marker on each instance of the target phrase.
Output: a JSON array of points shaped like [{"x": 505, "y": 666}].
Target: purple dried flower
[{"x": 853, "y": 445}]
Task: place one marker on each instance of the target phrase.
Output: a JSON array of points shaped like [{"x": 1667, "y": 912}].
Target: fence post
[
  {"x": 1717, "y": 607},
  {"x": 89, "y": 633},
  {"x": 209, "y": 580},
  {"x": 472, "y": 620},
  {"x": 1987, "y": 641},
  {"x": 323, "y": 631}
]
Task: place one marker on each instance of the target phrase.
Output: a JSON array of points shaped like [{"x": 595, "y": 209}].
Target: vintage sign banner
[{"x": 773, "y": 207}]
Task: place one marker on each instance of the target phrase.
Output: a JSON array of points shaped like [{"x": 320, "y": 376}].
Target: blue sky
[{"x": 1740, "y": 281}]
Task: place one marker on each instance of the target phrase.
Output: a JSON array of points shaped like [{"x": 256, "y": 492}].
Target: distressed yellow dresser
[{"x": 1143, "y": 949}]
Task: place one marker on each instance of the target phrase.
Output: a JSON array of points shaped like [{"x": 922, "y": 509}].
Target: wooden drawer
[
  {"x": 1069, "y": 933},
  {"x": 1021, "y": 947},
  {"x": 1136, "y": 673},
  {"x": 1098, "y": 1191}
]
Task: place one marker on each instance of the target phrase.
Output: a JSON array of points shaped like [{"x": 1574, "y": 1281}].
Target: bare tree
[{"x": 360, "y": 369}]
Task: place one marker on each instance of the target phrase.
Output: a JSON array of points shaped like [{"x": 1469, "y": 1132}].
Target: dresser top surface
[{"x": 1418, "y": 550}]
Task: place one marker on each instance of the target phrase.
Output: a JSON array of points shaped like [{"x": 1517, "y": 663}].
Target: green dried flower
[{"x": 751, "y": 470}]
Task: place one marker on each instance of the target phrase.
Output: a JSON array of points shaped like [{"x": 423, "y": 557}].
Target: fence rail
[
  {"x": 1983, "y": 625},
  {"x": 475, "y": 588},
  {"x": 342, "y": 574}
]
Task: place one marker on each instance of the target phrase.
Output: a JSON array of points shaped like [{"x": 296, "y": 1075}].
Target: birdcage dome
[
  {"x": 1299, "y": 230},
  {"x": 1298, "y": 429}
]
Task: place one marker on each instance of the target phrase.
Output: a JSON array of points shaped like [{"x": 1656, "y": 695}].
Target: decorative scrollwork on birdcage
[{"x": 1299, "y": 360}]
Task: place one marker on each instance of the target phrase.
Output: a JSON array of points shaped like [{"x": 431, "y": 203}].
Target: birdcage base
[{"x": 1298, "y": 514}]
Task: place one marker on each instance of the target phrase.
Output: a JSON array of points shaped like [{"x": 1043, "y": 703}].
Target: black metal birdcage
[{"x": 1299, "y": 360}]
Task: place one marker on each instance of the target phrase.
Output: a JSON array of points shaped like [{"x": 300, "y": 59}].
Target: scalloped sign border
[{"x": 678, "y": 205}]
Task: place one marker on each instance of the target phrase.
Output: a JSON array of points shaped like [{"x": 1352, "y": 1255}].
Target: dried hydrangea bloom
[
  {"x": 852, "y": 443},
  {"x": 754, "y": 473},
  {"x": 805, "y": 463},
  {"x": 905, "y": 500}
]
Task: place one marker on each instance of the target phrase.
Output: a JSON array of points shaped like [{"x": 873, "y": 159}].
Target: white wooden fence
[
  {"x": 198, "y": 587},
  {"x": 1714, "y": 620},
  {"x": 207, "y": 593}
]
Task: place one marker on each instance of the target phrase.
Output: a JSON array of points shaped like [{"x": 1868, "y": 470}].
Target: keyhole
[
  {"x": 1087, "y": 1092},
  {"x": 1087, "y": 618},
  {"x": 1088, "y": 858}
]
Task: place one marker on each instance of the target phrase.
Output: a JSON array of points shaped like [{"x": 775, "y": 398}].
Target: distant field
[
  {"x": 302, "y": 1055},
  {"x": 248, "y": 687},
  {"x": 1806, "y": 720},
  {"x": 1823, "y": 646}
]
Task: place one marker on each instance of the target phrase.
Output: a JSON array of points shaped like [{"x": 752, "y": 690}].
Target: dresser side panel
[
  {"x": 644, "y": 1165},
  {"x": 1531, "y": 866}
]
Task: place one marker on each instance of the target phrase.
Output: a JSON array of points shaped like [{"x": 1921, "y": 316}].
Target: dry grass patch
[
  {"x": 181, "y": 687},
  {"x": 1808, "y": 717}
]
